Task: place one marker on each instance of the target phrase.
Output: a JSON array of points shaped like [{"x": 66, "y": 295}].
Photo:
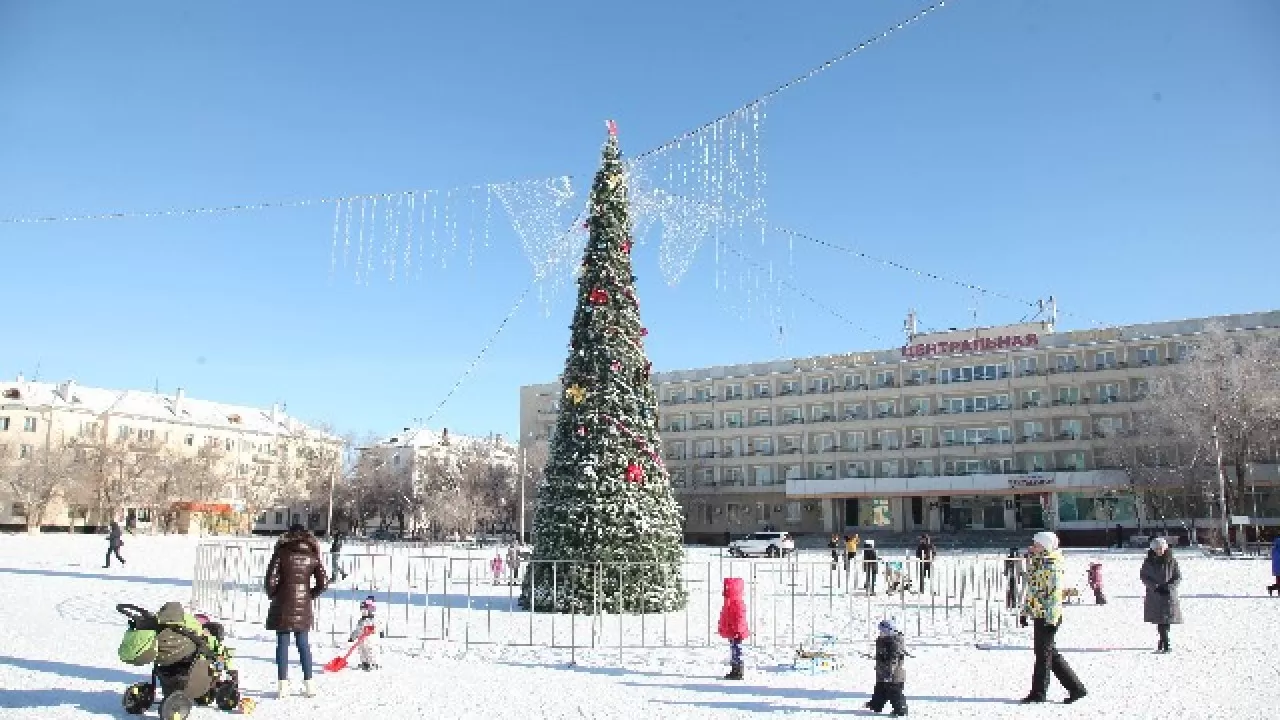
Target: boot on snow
[
  {"x": 735, "y": 672},
  {"x": 282, "y": 689},
  {"x": 307, "y": 689}
]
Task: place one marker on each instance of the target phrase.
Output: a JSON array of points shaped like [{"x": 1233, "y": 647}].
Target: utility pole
[
  {"x": 522, "y": 471},
  {"x": 1222, "y": 494}
]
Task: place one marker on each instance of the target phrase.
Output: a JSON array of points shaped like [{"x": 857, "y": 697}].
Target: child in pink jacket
[
  {"x": 733, "y": 625},
  {"x": 495, "y": 565}
]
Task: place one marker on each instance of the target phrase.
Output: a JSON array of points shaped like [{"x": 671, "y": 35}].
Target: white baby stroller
[{"x": 897, "y": 579}]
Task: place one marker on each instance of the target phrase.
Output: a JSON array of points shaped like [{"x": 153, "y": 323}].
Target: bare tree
[
  {"x": 1218, "y": 408},
  {"x": 38, "y": 480},
  {"x": 174, "y": 478}
]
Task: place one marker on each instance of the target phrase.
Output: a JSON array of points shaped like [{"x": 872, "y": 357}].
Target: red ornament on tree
[
  {"x": 599, "y": 296},
  {"x": 626, "y": 246},
  {"x": 634, "y": 473},
  {"x": 644, "y": 331},
  {"x": 615, "y": 366}
]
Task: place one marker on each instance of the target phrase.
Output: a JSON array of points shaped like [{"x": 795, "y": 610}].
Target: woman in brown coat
[{"x": 295, "y": 577}]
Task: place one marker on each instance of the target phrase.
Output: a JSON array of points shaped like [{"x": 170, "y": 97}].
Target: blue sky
[{"x": 1123, "y": 157}]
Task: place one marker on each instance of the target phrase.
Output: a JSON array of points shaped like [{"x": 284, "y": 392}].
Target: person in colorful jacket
[{"x": 1043, "y": 607}]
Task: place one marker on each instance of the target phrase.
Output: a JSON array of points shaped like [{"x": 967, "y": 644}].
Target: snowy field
[{"x": 60, "y": 631}]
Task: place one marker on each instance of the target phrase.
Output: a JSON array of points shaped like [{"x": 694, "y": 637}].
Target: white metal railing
[{"x": 449, "y": 595}]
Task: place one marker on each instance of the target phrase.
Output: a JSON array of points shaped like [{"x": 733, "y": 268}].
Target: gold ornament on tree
[{"x": 576, "y": 393}]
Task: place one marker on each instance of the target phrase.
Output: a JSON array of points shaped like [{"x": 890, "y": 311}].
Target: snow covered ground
[{"x": 59, "y": 631}]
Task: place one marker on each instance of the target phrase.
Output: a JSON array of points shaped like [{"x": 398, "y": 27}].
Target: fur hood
[{"x": 299, "y": 541}]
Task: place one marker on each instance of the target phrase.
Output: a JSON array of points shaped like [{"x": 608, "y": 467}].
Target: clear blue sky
[{"x": 1123, "y": 156}]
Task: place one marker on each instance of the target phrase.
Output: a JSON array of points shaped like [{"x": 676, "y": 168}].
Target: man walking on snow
[{"x": 115, "y": 541}]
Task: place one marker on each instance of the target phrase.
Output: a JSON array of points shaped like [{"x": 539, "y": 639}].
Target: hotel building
[{"x": 997, "y": 428}]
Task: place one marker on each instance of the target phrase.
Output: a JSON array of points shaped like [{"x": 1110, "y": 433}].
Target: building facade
[
  {"x": 407, "y": 457},
  {"x": 241, "y": 459},
  {"x": 985, "y": 429}
]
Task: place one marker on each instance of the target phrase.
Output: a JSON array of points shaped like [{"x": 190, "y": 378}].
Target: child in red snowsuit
[
  {"x": 1095, "y": 582},
  {"x": 733, "y": 625}
]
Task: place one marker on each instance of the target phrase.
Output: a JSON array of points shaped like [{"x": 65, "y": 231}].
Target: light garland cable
[
  {"x": 783, "y": 282},
  {"x": 493, "y": 338},
  {"x": 796, "y": 80},
  {"x": 926, "y": 274}
]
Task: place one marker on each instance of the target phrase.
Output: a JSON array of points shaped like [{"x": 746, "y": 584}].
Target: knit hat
[
  {"x": 1159, "y": 543},
  {"x": 888, "y": 627},
  {"x": 1045, "y": 539},
  {"x": 368, "y": 606}
]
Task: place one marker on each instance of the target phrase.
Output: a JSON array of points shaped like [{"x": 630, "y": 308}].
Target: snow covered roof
[
  {"x": 424, "y": 438},
  {"x": 72, "y": 397}
]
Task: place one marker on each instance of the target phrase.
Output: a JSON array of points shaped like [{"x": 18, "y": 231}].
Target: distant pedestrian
[
  {"x": 1119, "y": 536},
  {"x": 870, "y": 566},
  {"x": 1161, "y": 576},
  {"x": 1095, "y": 582},
  {"x": 1043, "y": 606},
  {"x": 495, "y": 566},
  {"x": 1013, "y": 571},
  {"x": 115, "y": 541},
  {"x": 836, "y": 545},
  {"x": 513, "y": 564},
  {"x": 926, "y": 551},
  {"x": 335, "y": 557}
]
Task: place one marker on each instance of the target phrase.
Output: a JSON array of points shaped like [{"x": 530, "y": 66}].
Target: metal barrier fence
[{"x": 452, "y": 597}]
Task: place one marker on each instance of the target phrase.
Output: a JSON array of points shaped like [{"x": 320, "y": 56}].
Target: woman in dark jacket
[
  {"x": 1161, "y": 576},
  {"x": 295, "y": 577}
]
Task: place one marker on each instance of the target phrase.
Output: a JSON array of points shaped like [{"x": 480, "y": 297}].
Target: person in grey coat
[
  {"x": 115, "y": 541},
  {"x": 1161, "y": 576},
  {"x": 891, "y": 671}
]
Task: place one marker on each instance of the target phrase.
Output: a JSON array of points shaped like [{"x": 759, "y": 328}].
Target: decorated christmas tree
[{"x": 605, "y": 511}]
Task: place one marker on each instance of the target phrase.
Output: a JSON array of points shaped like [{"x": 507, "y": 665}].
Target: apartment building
[
  {"x": 255, "y": 453},
  {"x": 996, "y": 428},
  {"x": 402, "y": 456}
]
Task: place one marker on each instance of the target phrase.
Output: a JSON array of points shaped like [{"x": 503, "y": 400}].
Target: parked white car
[{"x": 768, "y": 544}]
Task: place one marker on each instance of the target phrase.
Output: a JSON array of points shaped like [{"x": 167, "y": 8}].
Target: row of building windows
[
  {"x": 759, "y": 475},
  {"x": 29, "y": 424},
  {"x": 1103, "y": 393},
  {"x": 1066, "y": 362},
  {"x": 1065, "y": 429}
]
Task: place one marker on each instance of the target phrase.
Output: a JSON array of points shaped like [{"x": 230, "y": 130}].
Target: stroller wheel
[
  {"x": 176, "y": 706},
  {"x": 205, "y": 700},
  {"x": 138, "y": 698},
  {"x": 228, "y": 696}
]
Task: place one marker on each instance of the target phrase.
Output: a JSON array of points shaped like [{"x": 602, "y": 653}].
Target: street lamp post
[
  {"x": 522, "y": 471},
  {"x": 1222, "y": 494}
]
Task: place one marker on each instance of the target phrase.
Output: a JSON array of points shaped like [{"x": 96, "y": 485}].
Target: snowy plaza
[{"x": 58, "y": 651}]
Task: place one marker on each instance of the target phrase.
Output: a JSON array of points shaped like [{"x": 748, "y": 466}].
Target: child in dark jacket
[
  {"x": 891, "y": 672},
  {"x": 1095, "y": 582},
  {"x": 733, "y": 625}
]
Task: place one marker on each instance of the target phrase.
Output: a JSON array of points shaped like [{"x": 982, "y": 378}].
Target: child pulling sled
[{"x": 368, "y": 627}]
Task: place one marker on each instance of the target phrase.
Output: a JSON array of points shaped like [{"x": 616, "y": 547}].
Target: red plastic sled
[{"x": 340, "y": 662}]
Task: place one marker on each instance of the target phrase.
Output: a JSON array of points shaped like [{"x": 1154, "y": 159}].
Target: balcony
[
  {"x": 786, "y": 391},
  {"x": 793, "y": 420},
  {"x": 850, "y": 387},
  {"x": 887, "y": 413},
  {"x": 790, "y": 451},
  {"x": 819, "y": 390},
  {"x": 730, "y": 397},
  {"x": 674, "y": 401},
  {"x": 704, "y": 426},
  {"x": 734, "y": 424},
  {"x": 824, "y": 418},
  {"x": 761, "y": 422},
  {"x": 760, "y": 451},
  {"x": 675, "y": 429}
]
